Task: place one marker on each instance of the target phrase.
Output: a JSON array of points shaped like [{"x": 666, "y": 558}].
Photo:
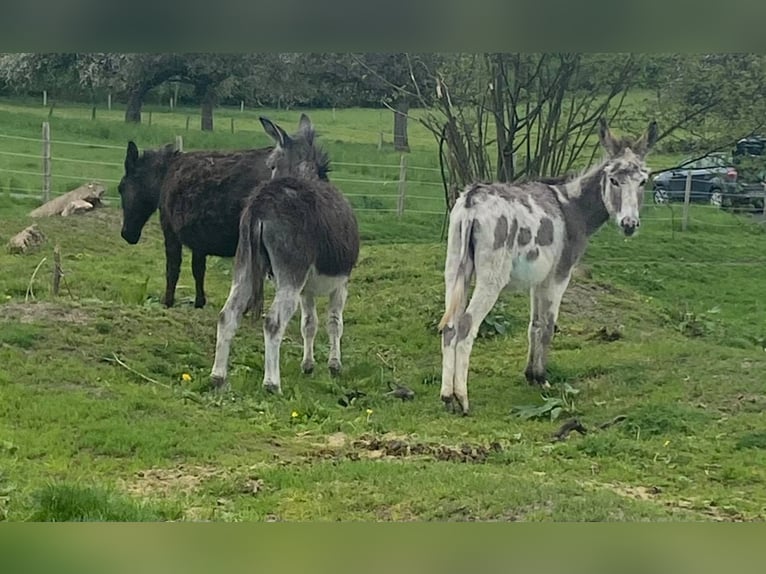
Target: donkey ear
[
  {"x": 649, "y": 138},
  {"x": 277, "y": 134},
  {"x": 131, "y": 157},
  {"x": 304, "y": 124},
  {"x": 606, "y": 138}
]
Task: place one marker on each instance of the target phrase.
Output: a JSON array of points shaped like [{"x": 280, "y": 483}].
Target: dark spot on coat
[
  {"x": 464, "y": 326},
  {"x": 501, "y": 231},
  {"x": 470, "y": 196},
  {"x": 512, "y": 233},
  {"x": 533, "y": 254},
  {"x": 448, "y": 333},
  {"x": 271, "y": 325},
  {"x": 525, "y": 236},
  {"x": 545, "y": 232}
]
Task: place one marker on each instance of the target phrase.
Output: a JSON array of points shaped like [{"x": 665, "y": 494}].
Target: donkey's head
[
  {"x": 625, "y": 174},
  {"x": 296, "y": 155},
  {"x": 140, "y": 189}
]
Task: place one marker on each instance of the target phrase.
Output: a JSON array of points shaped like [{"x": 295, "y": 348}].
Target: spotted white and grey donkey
[{"x": 530, "y": 236}]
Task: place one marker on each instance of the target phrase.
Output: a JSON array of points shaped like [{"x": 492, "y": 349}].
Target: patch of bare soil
[
  {"x": 397, "y": 447},
  {"x": 186, "y": 479},
  {"x": 42, "y": 312},
  {"x": 584, "y": 299},
  {"x": 651, "y": 493}
]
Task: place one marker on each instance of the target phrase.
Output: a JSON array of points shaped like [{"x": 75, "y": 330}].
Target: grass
[{"x": 82, "y": 438}]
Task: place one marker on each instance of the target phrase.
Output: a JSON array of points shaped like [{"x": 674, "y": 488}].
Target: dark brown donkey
[{"x": 200, "y": 196}]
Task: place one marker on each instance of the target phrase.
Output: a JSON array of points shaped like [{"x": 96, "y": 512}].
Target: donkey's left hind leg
[
  {"x": 335, "y": 326},
  {"x": 308, "y": 330},
  {"x": 484, "y": 297},
  {"x": 282, "y": 309},
  {"x": 228, "y": 320}
]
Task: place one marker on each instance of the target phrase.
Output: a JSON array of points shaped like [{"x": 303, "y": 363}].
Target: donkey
[
  {"x": 530, "y": 236},
  {"x": 303, "y": 232},
  {"x": 200, "y": 196}
]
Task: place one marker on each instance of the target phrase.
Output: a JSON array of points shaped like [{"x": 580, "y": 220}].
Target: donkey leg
[
  {"x": 198, "y": 270},
  {"x": 534, "y": 336},
  {"x": 546, "y": 301},
  {"x": 308, "y": 330},
  {"x": 484, "y": 297},
  {"x": 554, "y": 292},
  {"x": 172, "y": 267},
  {"x": 335, "y": 326},
  {"x": 228, "y": 320},
  {"x": 282, "y": 309}
]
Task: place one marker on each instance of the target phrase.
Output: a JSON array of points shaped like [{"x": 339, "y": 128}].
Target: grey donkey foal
[
  {"x": 304, "y": 233},
  {"x": 530, "y": 236}
]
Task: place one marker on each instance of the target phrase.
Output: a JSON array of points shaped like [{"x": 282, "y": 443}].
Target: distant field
[{"x": 667, "y": 329}]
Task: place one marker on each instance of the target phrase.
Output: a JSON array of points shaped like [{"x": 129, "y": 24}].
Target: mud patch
[
  {"x": 398, "y": 447},
  {"x": 42, "y": 312}
]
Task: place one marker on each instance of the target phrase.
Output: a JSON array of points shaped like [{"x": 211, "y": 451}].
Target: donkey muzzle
[{"x": 629, "y": 225}]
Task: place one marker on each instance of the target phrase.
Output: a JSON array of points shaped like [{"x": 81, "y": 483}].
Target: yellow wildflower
[
  {"x": 667, "y": 442},
  {"x": 186, "y": 377},
  {"x": 369, "y": 412},
  {"x": 294, "y": 414}
]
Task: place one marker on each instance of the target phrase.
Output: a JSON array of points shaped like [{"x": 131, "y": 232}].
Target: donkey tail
[
  {"x": 251, "y": 260},
  {"x": 460, "y": 236}
]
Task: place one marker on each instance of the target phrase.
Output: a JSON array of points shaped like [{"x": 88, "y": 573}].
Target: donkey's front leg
[
  {"x": 335, "y": 326},
  {"x": 282, "y": 309},
  {"x": 309, "y": 331},
  {"x": 198, "y": 270},
  {"x": 546, "y": 302},
  {"x": 173, "y": 255}
]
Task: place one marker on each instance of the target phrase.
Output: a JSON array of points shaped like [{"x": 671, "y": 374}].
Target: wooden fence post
[
  {"x": 150, "y": 118},
  {"x": 46, "y": 162},
  {"x": 45, "y": 98},
  {"x": 232, "y": 124},
  {"x": 687, "y": 194},
  {"x": 402, "y": 185},
  {"x": 187, "y": 122},
  {"x": 179, "y": 143},
  {"x": 109, "y": 101},
  {"x": 241, "y": 105}
]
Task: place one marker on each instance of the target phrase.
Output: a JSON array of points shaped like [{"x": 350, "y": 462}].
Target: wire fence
[{"x": 395, "y": 195}]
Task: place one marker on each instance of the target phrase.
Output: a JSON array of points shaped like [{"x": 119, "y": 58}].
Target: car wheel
[
  {"x": 716, "y": 198},
  {"x": 660, "y": 196}
]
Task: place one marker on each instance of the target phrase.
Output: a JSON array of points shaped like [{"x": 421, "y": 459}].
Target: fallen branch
[
  {"x": 576, "y": 425},
  {"x": 186, "y": 394}
]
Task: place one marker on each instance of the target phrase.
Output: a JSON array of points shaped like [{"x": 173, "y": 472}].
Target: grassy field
[{"x": 666, "y": 329}]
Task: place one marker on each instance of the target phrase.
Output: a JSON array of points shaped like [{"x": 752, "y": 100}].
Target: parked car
[{"x": 714, "y": 181}]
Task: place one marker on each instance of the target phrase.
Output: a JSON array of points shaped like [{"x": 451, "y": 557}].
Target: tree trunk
[
  {"x": 208, "y": 101},
  {"x": 135, "y": 103},
  {"x": 400, "y": 124}
]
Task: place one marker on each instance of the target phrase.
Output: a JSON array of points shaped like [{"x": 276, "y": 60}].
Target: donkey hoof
[
  {"x": 219, "y": 384},
  {"x": 449, "y": 405},
  {"x": 334, "y": 367},
  {"x": 200, "y": 303},
  {"x": 272, "y": 388},
  {"x": 307, "y": 368}
]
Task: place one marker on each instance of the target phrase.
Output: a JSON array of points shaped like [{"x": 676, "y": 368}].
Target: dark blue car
[{"x": 714, "y": 181}]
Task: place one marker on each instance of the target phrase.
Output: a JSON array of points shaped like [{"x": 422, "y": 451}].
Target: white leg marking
[
  {"x": 228, "y": 321},
  {"x": 282, "y": 309},
  {"x": 308, "y": 330},
  {"x": 335, "y": 325}
]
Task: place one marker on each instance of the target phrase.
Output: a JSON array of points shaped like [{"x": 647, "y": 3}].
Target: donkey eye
[{"x": 614, "y": 182}]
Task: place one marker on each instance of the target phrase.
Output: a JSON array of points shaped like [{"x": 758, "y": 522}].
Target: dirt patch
[
  {"x": 652, "y": 493},
  {"x": 183, "y": 478},
  {"x": 398, "y": 447},
  {"x": 42, "y": 312},
  {"x": 583, "y": 299}
]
